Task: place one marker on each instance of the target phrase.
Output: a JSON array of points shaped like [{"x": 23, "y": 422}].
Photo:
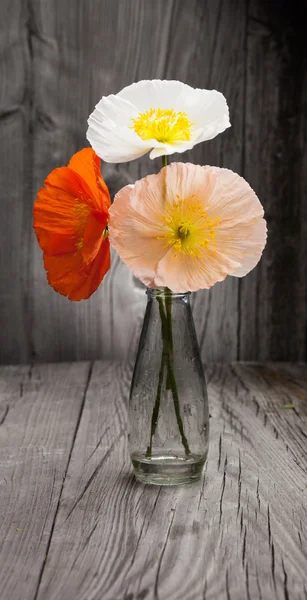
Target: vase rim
[{"x": 164, "y": 293}]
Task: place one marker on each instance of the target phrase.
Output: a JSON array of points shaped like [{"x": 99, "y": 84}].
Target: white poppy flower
[{"x": 158, "y": 116}]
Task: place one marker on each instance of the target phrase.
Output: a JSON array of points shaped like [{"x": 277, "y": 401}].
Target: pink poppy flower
[{"x": 188, "y": 227}]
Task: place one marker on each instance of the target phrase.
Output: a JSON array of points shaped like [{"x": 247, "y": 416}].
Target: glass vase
[{"x": 168, "y": 419}]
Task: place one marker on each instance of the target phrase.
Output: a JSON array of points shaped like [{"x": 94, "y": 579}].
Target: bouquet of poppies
[{"x": 183, "y": 229}]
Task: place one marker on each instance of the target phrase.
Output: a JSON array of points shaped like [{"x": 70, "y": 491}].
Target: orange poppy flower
[{"x": 70, "y": 222}]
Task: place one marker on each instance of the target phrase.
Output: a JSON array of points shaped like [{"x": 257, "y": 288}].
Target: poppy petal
[
  {"x": 86, "y": 163},
  {"x": 59, "y": 204},
  {"x": 210, "y": 225},
  {"x": 92, "y": 238},
  {"x": 69, "y": 277},
  {"x": 54, "y": 244},
  {"x": 70, "y": 217}
]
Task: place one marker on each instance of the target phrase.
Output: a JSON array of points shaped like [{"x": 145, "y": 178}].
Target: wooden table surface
[{"x": 75, "y": 525}]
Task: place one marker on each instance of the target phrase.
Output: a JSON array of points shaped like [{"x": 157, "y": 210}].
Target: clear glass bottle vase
[{"x": 168, "y": 405}]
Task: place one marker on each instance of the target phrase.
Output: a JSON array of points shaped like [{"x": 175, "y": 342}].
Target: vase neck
[{"x": 166, "y": 293}]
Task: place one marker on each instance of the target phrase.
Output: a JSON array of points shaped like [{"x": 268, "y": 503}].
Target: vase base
[{"x": 168, "y": 470}]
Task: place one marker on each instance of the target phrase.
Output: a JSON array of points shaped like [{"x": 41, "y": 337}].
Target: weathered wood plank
[
  {"x": 221, "y": 35},
  {"x": 57, "y": 59},
  {"x": 65, "y": 49},
  {"x": 74, "y": 46},
  {"x": 242, "y": 535},
  {"x": 193, "y": 31},
  {"x": 274, "y": 296},
  {"x": 37, "y": 429},
  {"x": 11, "y": 387},
  {"x": 14, "y": 189}
]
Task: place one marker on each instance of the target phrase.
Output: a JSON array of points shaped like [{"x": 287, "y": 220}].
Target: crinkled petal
[
  {"x": 55, "y": 207},
  {"x": 232, "y": 198},
  {"x": 92, "y": 237},
  {"x": 114, "y": 144},
  {"x": 167, "y": 149},
  {"x": 86, "y": 164},
  {"x": 134, "y": 235},
  {"x": 244, "y": 244},
  {"x": 54, "y": 244},
  {"x": 210, "y": 114},
  {"x": 113, "y": 108},
  {"x": 110, "y": 133},
  {"x": 186, "y": 180},
  {"x": 148, "y": 197},
  {"x": 155, "y": 93},
  {"x": 69, "y": 276},
  {"x": 186, "y": 273}
]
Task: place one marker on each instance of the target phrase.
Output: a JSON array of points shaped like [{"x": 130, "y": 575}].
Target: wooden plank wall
[{"x": 57, "y": 59}]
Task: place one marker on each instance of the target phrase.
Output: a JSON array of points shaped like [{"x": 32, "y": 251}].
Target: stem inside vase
[{"x": 167, "y": 361}]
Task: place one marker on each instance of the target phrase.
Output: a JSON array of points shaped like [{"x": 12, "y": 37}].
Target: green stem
[
  {"x": 164, "y": 161},
  {"x": 156, "y": 408},
  {"x": 168, "y": 305},
  {"x": 171, "y": 375},
  {"x": 177, "y": 406}
]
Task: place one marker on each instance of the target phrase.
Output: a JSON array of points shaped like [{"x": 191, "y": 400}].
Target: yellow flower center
[
  {"x": 165, "y": 126},
  {"x": 189, "y": 229}
]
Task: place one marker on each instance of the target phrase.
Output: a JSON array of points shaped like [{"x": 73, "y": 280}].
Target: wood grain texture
[
  {"x": 57, "y": 59},
  {"x": 67, "y": 50},
  {"x": 40, "y": 409},
  {"x": 221, "y": 36},
  {"x": 241, "y": 535},
  {"x": 14, "y": 178},
  {"x": 273, "y": 320},
  {"x": 109, "y": 324}
]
